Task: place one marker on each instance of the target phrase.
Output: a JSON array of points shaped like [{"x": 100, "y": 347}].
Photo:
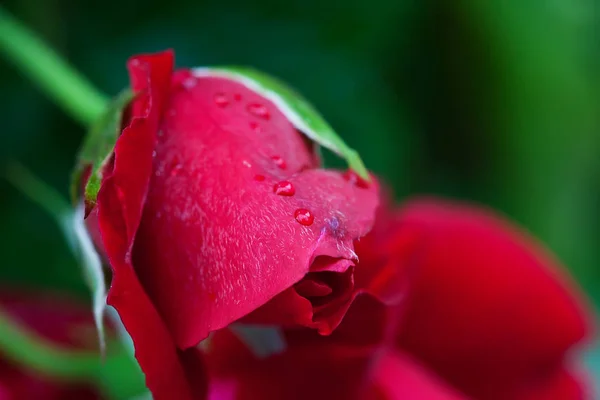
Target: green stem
[
  {"x": 24, "y": 347},
  {"x": 118, "y": 377},
  {"x": 58, "y": 79}
]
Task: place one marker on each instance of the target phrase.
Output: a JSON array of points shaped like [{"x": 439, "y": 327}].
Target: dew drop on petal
[
  {"x": 175, "y": 167},
  {"x": 221, "y": 100},
  {"x": 304, "y": 217},
  {"x": 284, "y": 188},
  {"x": 258, "y": 110},
  {"x": 189, "y": 83},
  {"x": 254, "y": 126},
  {"x": 176, "y": 170},
  {"x": 259, "y": 178},
  {"x": 280, "y": 162},
  {"x": 246, "y": 164}
]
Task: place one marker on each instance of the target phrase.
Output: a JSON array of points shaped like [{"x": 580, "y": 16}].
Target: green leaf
[
  {"x": 295, "y": 107},
  {"x": 98, "y": 147}
]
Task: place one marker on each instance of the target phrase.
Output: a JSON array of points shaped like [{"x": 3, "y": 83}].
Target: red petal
[
  {"x": 399, "y": 378},
  {"x": 385, "y": 256},
  {"x": 120, "y": 205},
  {"x": 488, "y": 308},
  {"x": 312, "y": 366},
  {"x": 559, "y": 384},
  {"x": 215, "y": 243},
  {"x": 318, "y": 307},
  {"x": 313, "y": 288}
]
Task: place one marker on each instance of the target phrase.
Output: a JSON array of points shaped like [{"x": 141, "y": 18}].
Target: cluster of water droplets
[
  {"x": 256, "y": 109},
  {"x": 282, "y": 188},
  {"x": 287, "y": 188}
]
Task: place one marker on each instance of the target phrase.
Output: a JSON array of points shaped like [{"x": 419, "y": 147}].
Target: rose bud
[{"x": 212, "y": 203}]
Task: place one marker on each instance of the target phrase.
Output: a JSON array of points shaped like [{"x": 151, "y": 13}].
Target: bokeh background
[{"x": 490, "y": 101}]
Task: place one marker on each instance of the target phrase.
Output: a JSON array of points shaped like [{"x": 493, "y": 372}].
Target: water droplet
[
  {"x": 284, "y": 188},
  {"x": 153, "y": 153},
  {"x": 258, "y": 110},
  {"x": 246, "y": 163},
  {"x": 176, "y": 170},
  {"x": 237, "y": 97},
  {"x": 304, "y": 216},
  {"x": 353, "y": 178},
  {"x": 189, "y": 83},
  {"x": 221, "y": 100},
  {"x": 175, "y": 167},
  {"x": 259, "y": 177},
  {"x": 280, "y": 162},
  {"x": 254, "y": 126}
]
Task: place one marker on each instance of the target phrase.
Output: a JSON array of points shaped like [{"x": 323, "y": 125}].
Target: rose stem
[{"x": 48, "y": 70}]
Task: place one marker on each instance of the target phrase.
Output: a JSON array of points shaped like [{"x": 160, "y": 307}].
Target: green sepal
[
  {"x": 97, "y": 148},
  {"x": 295, "y": 107}
]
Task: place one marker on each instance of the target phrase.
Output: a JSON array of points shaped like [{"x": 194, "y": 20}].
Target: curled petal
[
  {"x": 120, "y": 204},
  {"x": 380, "y": 268}
]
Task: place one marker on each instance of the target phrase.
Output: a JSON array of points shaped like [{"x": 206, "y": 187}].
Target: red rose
[
  {"x": 215, "y": 210},
  {"x": 58, "y": 322},
  {"x": 213, "y": 206},
  {"x": 487, "y": 315}
]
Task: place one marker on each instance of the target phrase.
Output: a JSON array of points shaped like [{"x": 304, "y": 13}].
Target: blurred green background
[{"x": 491, "y": 101}]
